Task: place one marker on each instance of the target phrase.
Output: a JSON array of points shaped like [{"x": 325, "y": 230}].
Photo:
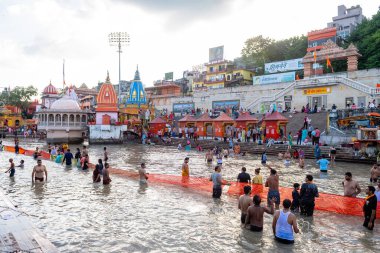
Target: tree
[
  {"x": 366, "y": 37},
  {"x": 19, "y": 97},
  {"x": 258, "y": 50},
  {"x": 254, "y": 51}
]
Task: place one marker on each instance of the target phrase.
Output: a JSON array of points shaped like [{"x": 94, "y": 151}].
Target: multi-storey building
[{"x": 347, "y": 20}]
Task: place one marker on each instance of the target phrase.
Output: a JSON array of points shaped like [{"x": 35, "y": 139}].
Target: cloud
[{"x": 181, "y": 13}]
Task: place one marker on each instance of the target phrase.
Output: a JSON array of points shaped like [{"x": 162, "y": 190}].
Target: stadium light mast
[{"x": 119, "y": 39}]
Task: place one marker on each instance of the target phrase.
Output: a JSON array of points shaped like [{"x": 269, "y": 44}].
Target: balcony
[{"x": 214, "y": 81}]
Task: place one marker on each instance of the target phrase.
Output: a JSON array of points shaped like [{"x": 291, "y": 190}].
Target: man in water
[
  {"x": 351, "y": 187},
  {"x": 216, "y": 179},
  {"x": 255, "y": 214},
  {"x": 185, "y": 168},
  {"x": 273, "y": 184},
  {"x": 99, "y": 167},
  {"x": 323, "y": 164},
  {"x": 369, "y": 208},
  {"x": 209, "y": 156},
  {"x": 244, "y": 177},
  {"x": 105, "y": 154},
  {"x": 244, "y": 202},
  {"x": 11, "y": 169},
  {"x": 143, "y": 175},
  {"x": 38, "y": 172},
  {"x": 284, "y": 223},
  {"x": 309, "y": 191},
  {"x": 375, "y": 173},
  {"x": 68, "y": 157},
  {"x": 84, "y": 151}
]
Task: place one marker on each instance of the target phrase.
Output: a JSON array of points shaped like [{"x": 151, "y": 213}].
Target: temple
[{"x": 136, "y": 104}]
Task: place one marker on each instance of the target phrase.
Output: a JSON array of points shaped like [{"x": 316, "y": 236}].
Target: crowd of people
[{"x": 284, "y": 223}]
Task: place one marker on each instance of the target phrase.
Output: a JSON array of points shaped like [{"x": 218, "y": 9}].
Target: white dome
[{"x": 65, "y": 103}]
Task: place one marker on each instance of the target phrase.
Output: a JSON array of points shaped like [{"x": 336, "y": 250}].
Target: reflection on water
[{"x": 79, "y": 216}]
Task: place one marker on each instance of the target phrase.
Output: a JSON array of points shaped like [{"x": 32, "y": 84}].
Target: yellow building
[
  {"x": 223, "y": 74},
  {"x": 10, "y": 119}
]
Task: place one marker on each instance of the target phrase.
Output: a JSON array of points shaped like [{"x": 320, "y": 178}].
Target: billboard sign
[
  {"x": 216, "y": 53},
  {"x": 181, "y": 108},
  {"x": 168, "y": 76},
  {"x": 274, "y": 78},
  {"x": 226, "y": 104},
  {"x": 317, "y": 91},
  {"x": 283, "y": 66}
]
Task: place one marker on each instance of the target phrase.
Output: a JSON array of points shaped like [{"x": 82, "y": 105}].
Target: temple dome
[
  {"x": 50, "y": 89},
  {"x": 137, "y": 93},
  {"x": 65, "y": 103}
]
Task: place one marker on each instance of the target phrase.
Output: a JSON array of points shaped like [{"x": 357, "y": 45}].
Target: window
[{"x": 211, "y": 69}]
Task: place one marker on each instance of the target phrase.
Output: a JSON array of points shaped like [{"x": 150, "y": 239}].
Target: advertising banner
[
  {"x": 182, "y": 107},
  {"x": 216, "y": 54},
  {"x": 317, "y": 91},
  {"x": 274, "y": 78},
  {"x": 169, "y": 76},
  {"x": 283, "y": 66},
  {"x": 226, "y": 104}
]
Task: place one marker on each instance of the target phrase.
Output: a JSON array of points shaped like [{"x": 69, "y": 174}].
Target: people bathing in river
[
  {"x": 209, "y": 157},
  {"x": 244, "y": 202},
  {"x": 38, "y": 172},
  {"x": 244, "y": 177},
  {"x": 106, "y": 174},
  {"x": 264, "y": 158},
  {"x": 375, "y": 173},
  {"x": 21, "y": 165},
  {"x": 105, "y": 154},
  {"x": 84, "y": 162},
  {"x": 369, "y": 208},
  {"x": 217, "y": 183},
  {"x": 77, "y": 157},
  {"x": 142, "y": 174},
  {"x": 351, "y": 187},
  {"x": 323, "y": 164},
  {"x": 99, "y": 167},
  {"x": 308, "y": 193},
  {"x": 284, "y": 224},
  {"x": 332, "y": 154},
  {"x": 317, "y": 152},
  {"x": 273, "y": 184},
  {"x": 185, "y": 168},
  {"x": 11, "y": 169},
  {"x": 257, "y": 179},
  {"x": 255, "y": 214},
  {"x": 68, "y": 158},
  {"x": 295, "y": 207}
]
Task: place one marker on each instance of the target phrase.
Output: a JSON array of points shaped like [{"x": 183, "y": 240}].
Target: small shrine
[
  {"x": 221, "y": 123},
  {"x": 275, "y": 126},
  {"x": 106, "y": 109},
  {"x": 187, "y": 121},
  {"x": 246, "y": 121},
  {"x": 205, "y": 125},
  {"x": 156, "y": 125}
]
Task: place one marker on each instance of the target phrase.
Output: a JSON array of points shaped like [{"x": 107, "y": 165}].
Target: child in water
[
  {"x": 59, "y": 157},
  {"x": 21, "y": 165}
]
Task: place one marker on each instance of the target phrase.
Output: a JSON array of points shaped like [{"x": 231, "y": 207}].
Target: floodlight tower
[{"x": 119, "y": 39}]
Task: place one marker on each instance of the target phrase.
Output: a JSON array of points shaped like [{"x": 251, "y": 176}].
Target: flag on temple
[
  {"x": 328, "y": 64},
  {"x": 315, "y": 55}
]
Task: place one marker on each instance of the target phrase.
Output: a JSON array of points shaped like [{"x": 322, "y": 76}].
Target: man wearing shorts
[
  {"x": 273, "y": 184},
  {"x": 38, "y": 172}
]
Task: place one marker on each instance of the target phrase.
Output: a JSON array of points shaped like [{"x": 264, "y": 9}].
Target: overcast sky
[{"x": 166, "y": 35}]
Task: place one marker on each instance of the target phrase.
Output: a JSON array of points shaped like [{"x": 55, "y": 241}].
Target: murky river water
[{"x": 79, "y": 216}]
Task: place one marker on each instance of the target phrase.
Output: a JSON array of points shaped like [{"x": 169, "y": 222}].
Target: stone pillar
[
  {"x": 308, "y": 69},
  {"x": 352, "y": 63},
  {"x": 54, "y": 118},
  {"x": 61, "y": 119}
]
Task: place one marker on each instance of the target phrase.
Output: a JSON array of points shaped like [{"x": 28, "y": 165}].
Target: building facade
[{"x": 347, "y": 20}]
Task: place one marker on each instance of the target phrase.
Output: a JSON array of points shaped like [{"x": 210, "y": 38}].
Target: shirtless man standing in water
[
  {"x": 209, "y": 156},
  {"x": 143, "y": 174},
  {"x": 244, "y": 202},
  {"x": 255, "y": 214},
  {"x": 273, "y": 184},
  {"x": 38, "y": 172}
]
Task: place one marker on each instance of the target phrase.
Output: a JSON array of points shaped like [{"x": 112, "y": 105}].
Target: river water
[{"x": 79, "y": 216}]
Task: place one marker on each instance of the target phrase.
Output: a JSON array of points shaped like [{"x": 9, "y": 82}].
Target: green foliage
[
  {"x": 258, "y": 50},
  {"x": 366, "y": 38},
  {"x": 19, "y": 97}
]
